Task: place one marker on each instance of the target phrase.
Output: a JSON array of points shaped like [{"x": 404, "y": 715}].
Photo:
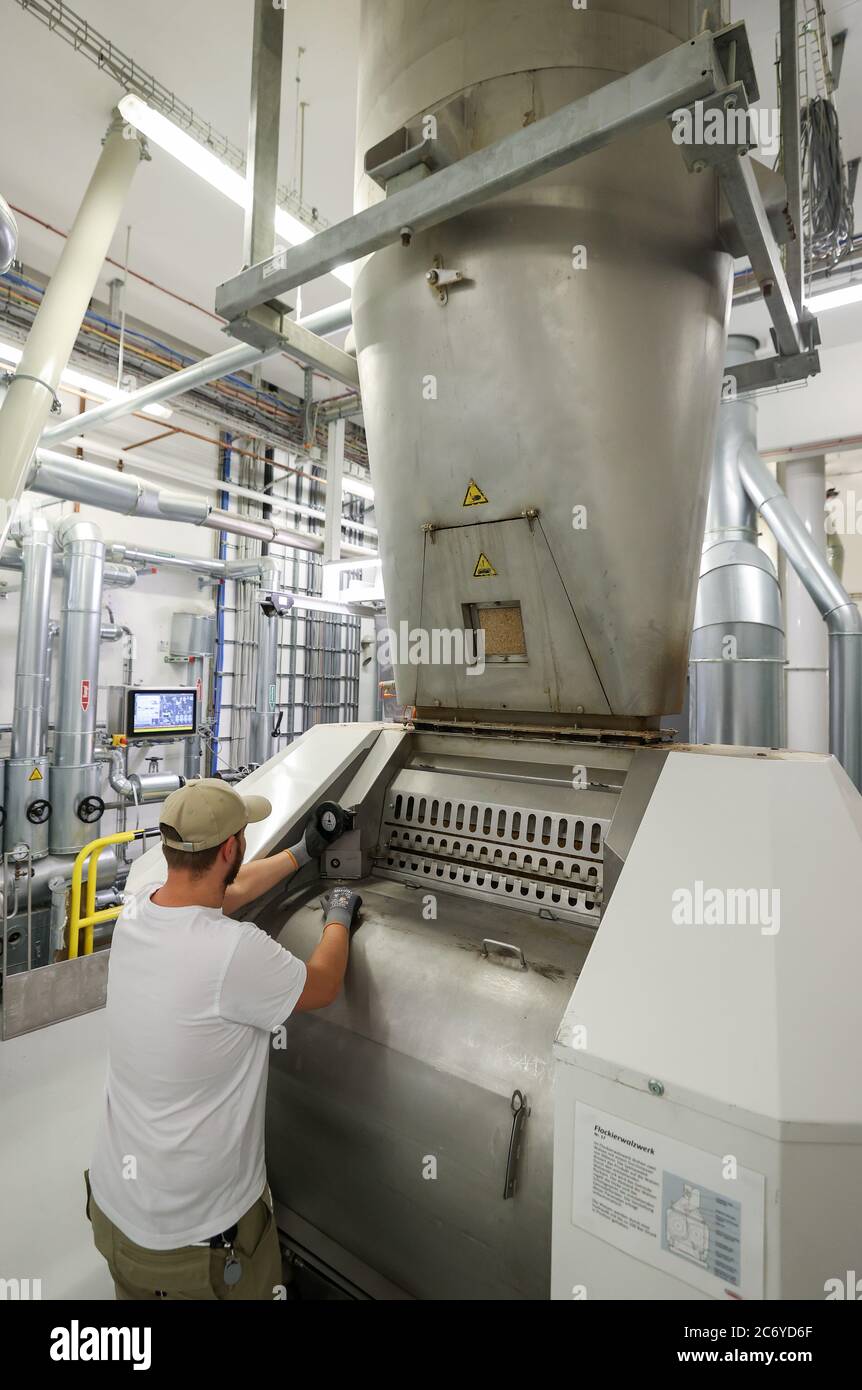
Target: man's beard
[{"x": 235, "y": 867}]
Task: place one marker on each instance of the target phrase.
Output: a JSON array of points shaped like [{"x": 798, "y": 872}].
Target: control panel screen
[{"x": 161, "y": 713}]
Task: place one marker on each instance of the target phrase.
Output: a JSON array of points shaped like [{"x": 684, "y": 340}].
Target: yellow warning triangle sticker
[
  {"x": 474, "y": 496},
  {"x": 35, "y": 775},
  {"x": 484, "y": 569}
]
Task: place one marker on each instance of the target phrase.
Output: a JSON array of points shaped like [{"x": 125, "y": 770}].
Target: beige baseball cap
[{"x": 205, "y": 813}]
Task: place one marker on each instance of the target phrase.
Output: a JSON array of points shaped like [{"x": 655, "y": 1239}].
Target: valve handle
[
  {"x": 38, "y": 812},
  {"x": 90, "y": 809}
]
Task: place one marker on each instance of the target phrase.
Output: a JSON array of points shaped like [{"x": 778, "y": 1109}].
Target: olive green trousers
[{"x": 193, "y": 1271}]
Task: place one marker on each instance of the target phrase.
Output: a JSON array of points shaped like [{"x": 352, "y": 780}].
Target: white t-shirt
[{"x": 193, "y": 998}]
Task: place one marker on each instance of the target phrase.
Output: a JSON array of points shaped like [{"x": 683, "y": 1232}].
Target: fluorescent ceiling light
[
  {"x": 836, "y": 299},
  {"x": 213, "y": 170},
  {"x": 73, "y": 380}
]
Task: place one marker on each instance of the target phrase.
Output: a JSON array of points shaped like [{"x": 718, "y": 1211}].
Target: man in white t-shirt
[{"x": 176, "y": 1190}]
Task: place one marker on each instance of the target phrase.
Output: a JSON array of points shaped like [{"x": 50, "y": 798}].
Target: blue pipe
[{"x": 224, "y": 503}]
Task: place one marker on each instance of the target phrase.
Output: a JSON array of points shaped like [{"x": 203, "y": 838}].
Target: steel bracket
[{"x": 297, "y": 342}]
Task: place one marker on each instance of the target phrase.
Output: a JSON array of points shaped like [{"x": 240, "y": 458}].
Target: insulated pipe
[
  {"x": 233, "y": 359},
  {"x": 261, "y": 531},
  {"x": 54, "y": 475},
  {"x": 115, "y": 576},
  {"x": 842, "y": 617},
  {"x": 33, "y": 653},
  {"x": 737, "y": 649},
  {"x": 141, "y": 788},
  {"x": 27, "y": 795},
  {"x": 804, "y": 484},
  {"x": 162, "y": 559},
  {"x": 266, "y": 685},
  {"x": 76, "y": 481},
  {"x": 32, "y": 391},
  {"x": 80, "y": 635},
  {"x": 8, "y": 236},
  {"x": 75, "y": 773}
]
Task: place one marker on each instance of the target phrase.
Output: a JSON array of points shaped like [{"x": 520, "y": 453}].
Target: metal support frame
[
  {"x": 791, "y": 146},
  {"x": 692, "y": 73},
  {"x": 676, "y": 79},
  {"x": 263, "y": 130}
]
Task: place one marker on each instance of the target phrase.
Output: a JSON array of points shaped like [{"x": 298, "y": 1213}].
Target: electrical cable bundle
[{"x": 827, "y": 209}]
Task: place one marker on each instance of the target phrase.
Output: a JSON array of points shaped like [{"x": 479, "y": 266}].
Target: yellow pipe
[{"x": 89, "y": 855}]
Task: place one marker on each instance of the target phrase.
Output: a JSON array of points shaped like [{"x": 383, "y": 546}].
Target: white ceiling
[{"x": 55, "y": 106}]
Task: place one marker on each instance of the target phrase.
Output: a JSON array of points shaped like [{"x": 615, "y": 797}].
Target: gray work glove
[
  {"x": 315, "y": 840},
  {"x": 342, "y": 906}
]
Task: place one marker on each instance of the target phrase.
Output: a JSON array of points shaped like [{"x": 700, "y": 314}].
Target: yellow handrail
[{"x": 89, "y": 855}]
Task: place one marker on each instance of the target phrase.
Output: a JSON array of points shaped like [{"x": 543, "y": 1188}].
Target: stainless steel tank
[{"x": 572, "y": 376}]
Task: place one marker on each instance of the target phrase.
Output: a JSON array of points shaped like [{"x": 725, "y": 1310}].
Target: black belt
[{"x": 225, "y": 1240}]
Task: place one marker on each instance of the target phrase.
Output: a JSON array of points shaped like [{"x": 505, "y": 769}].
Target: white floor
[{"x": 51, "y": 1086}]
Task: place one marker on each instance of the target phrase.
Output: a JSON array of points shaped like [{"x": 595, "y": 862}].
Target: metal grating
[{"x": 540, "y": 860}]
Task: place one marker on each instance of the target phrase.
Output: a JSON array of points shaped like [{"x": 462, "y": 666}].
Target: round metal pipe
[
  {"x": 27, "y": 772},
  {"x": 116, "y": 576},
  {"x": 233, "y": 359},
  {"x": 78, "y": 481},
  {"x": 83, "y": 557},
  {"x": 154, "y": 786},
  {"x": 331, "y": 320},
  {"x": 730, "y": 513},
  {"x": 261, "y": 531},
  {"x": 166, "y": 560},
  {"x": 33, "y": 647},
  {"x": 736, "y": 671},
  {"x": 31, "y": 392},
  {"x": 841, "y": 615},
  {"x": 54, "y": 475},
  {"x": 804, "y": 482}
]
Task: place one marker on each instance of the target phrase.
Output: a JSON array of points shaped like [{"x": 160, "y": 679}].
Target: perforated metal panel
[{"x": 540, "y": 860}]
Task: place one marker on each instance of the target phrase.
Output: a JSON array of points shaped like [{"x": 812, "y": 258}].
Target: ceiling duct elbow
[{"x": 8, "y": 236}]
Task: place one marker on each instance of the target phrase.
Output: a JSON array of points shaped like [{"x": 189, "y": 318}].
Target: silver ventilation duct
[
  {"x": 75, "y": 778},
  {"x": 8, "y": 236},
  {"x": 74, "y": 480},
  {"x": 27, "y": 796},
  {"x": 737, "y": 650},
  {"x": 840, "y": 613}
]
